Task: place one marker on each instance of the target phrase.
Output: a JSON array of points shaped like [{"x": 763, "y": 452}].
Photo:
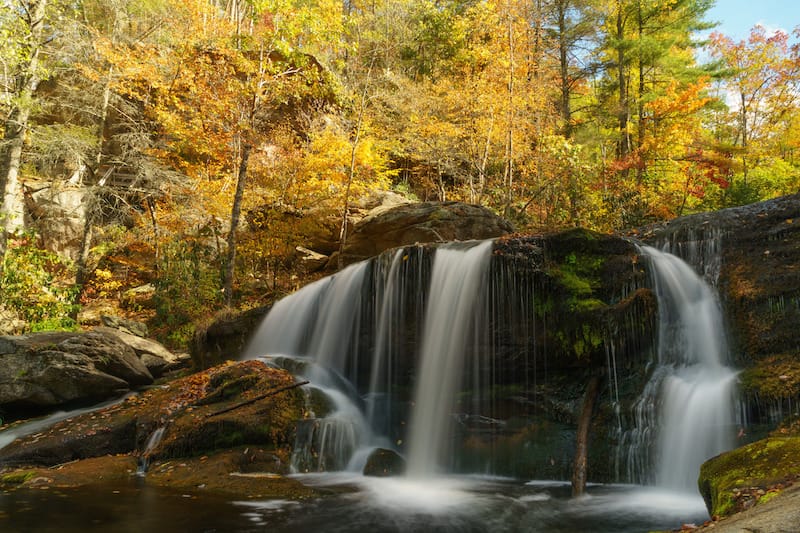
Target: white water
[
  {"x": 317, "y": 321},
  {"x": 317, "y": 327},
  {"x": 455, "y": 284},
  {"x": 695, "y": 415},
  {"x": 152, "y": 442}
]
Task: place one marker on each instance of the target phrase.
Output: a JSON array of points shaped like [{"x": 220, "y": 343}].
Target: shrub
[
  {"x": 188, "y": 287},
  {"x": 39, "y": 285}
]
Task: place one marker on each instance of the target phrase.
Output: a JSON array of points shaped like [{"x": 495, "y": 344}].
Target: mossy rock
[
  {"x": 761, "y": 465},
  {"x": 774, "y": 377}
]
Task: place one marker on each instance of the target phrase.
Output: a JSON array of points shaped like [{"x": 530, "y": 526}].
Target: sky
[{"x": 736, "y": 17}]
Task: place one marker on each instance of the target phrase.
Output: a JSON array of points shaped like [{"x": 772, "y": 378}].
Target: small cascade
[
  {"x": 319, "y": 321},
  {"x": 152, "y": 442},
  {"x": 688, "y": 405},
  {"x": 455, "y": 285},
  {"x": 326, "y": 440}
]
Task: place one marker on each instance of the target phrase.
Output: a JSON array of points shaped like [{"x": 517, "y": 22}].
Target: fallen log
[{"x": 273, "y": 392}]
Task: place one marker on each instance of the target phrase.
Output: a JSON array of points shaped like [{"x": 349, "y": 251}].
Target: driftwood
[
  {"x": 581, "y": 444},
  {"x": 273, "y": 392}
]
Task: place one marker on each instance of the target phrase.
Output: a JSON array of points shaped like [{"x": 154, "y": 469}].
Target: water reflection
[{"x": 356, "y": 503}]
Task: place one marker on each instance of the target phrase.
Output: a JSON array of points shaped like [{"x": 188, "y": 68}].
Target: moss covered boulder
[
  {"x": 238, "y": 418},
  {"x": 739, "y": 479}
]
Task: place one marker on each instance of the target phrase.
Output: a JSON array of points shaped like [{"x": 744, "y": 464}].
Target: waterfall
[
  {"x": 691, "y": 393},
  {"x": 317, "y": 331},
  {"x": 455, "y": 284},
  {"x": 444, "y": 355},
  {"x": 153, "y": 441}
]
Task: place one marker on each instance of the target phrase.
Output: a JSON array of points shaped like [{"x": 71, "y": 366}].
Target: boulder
[
  {"x": 317, "y": 229},
  {"x": 384, "y": 463},
  {"x": 123, "y": 324},
  {"x": 423, "y": 222},
  {"x": 45, "y": 370},
  {"x": 739, "y": 479},
  {"x": 155, "y": 357},
  {"x": 231, "y": 405}
]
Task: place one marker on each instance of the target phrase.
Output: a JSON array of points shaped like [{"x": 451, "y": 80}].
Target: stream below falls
[{"x": 356, "y": 503}]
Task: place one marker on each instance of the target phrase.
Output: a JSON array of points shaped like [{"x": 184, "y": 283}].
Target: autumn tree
[
  {"x": 25, "y": 34},
  {"x": 763, "y": 75},
  {"x": 648, "y": 47}
]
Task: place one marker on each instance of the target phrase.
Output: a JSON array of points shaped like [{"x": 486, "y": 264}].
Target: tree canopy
[{"x": 178, "y": 116}]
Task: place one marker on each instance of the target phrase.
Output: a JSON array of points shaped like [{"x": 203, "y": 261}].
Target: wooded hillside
[{"x": 145, "y": 132}]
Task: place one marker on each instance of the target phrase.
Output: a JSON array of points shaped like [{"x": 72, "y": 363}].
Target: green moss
[
  {"x": 768, "y": 496},
  {"x": 574, "y": 283},
  {"x": 588, "y": 304},
  {"x": 579, "y": 274},
  {"x": 759, "y": 464},
  {"x": 230, "y": 389},
  {"x": 773, "y": 377},
  {"x": 17, "y": 477}
]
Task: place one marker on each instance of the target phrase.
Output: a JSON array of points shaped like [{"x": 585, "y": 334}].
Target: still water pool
[{"x": 355, "y": 504}]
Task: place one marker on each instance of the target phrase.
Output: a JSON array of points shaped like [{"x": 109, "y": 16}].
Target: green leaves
[{"x": 37, "y": 284}]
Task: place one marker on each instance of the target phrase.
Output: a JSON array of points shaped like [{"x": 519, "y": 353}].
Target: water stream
[{"x": 455, "y": 285}]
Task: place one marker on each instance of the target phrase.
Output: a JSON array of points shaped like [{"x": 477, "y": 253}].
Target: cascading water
[
  {"x": 391, "y": 344},
  {"x": 455, "y": 284},
  {"x": 689, "y": 400},
  {"x": 318, "y": 328}
]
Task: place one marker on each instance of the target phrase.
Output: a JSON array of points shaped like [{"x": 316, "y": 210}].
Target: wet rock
[{"x": 384, "y": 463}]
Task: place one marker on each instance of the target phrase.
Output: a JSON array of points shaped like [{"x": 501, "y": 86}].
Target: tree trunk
[
  {"x": 510, "y": 133},
  {"x": 640, "y": 98},
  {"x": 563, "y": 58},
  {"x": 16, "y": 127},
  {"x": 582, "y": 438},
  {"x": 352, "y": 170},
  {"x": 236, "y": 213},
  {"x": 623, "y": 146}
]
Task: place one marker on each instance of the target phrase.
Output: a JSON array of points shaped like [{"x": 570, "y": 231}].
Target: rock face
[
  {"x": 225, "y": 338},
  {"x": 58, "y": 213},
  {"x": 423, "y": 222}
]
